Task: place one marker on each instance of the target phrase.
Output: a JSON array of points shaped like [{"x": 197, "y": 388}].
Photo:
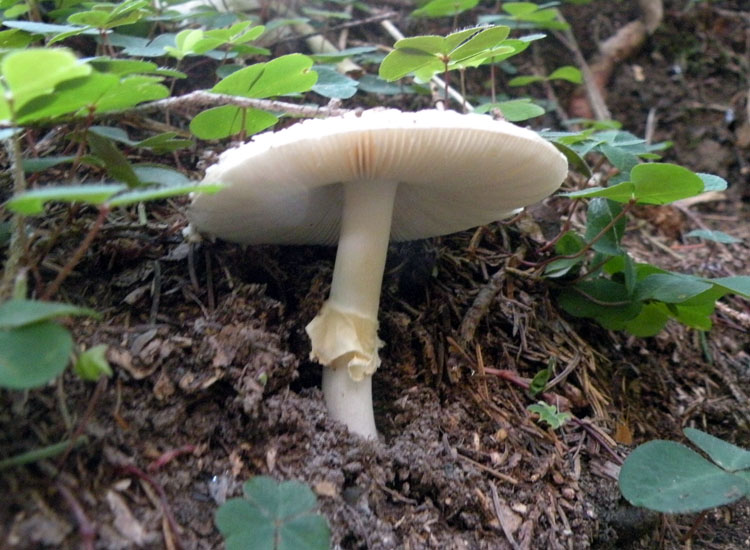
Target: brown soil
[{"x": 210, "y": 358}]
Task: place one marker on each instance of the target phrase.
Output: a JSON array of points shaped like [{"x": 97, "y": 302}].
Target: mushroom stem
[
  {"x": 363, "y": 246},
  {"x": 349, "y": 401},
  {"x": 344, "y": 334}
]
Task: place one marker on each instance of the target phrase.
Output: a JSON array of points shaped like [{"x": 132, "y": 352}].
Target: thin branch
[
  {"x": 594, "y": 94},
  {"x": 202, "y": 98}
]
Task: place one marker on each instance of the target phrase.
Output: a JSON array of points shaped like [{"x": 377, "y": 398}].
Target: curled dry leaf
[{"x": 125, "y": 523}]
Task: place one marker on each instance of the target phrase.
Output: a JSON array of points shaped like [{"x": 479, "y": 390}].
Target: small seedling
[
  {"x": 669, "y": 477},
  {"x": 550, "y": 414},
  {"x": 273, "y": 516},
  {"x": 92, "y": 364}
]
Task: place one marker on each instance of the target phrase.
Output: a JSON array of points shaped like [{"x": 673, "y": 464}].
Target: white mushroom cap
[
  {"x": 454, "y": 171},
  {"x": 356, "y": 180}
]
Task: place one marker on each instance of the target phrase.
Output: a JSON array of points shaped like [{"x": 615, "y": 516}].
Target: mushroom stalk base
[
  {"x": 344, "y": 333},
  {"x": 350, "y": 402}
]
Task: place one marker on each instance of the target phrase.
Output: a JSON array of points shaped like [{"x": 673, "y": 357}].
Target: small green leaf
[
  {"x": 402, "y": 61},
  {"x": 606, "y": 301},
  {"x": 373, "y": 84},
  {"x": 15, "y": 11},
  {"x": 165, "y": 143},
  {"x": 649, "y": 322},
  {"x": 620, "y": 158},
  {"x": 444, "y": 8},
  {"x": 568, "y": 72},
  {"x": 601, "y": 213},
  {"x": 340, "y": 55},
  {"x": 728, "y": 456},
  {"x": 550, "y": 414},
  {"x": 193, "y": 42},
  {"x": 538, "y": 383},
  {"x": 33, "y": 165},
  {"x": 228, "y": 120},
  {"x": 159, "y": 174},
  {"x": 561, "y": 267},
  {"x": 35, "y": 27},
  {"x": 15, "y": 39},
  {"x": 520, "y": 9},
  {"x": 130, "y": 91},
  {"x": 287, "y": 74},
  {"x": 514, "y": 110},
  {"x": 525, "y": 80},
  {"x": 333, "y": 84},
  {"x": 113, "y": 133},
  {"x": 662, "y": 183},
  {"x": 18, "y": 313},
  {"x": 654, "y": 183},
  {"x": 568, "y": 245},
  {"x": 98, "y": 92},
  {"x": 671, "y": 288},
  {"x": 479, "y": 44},
  {"x": 33, "y": 73},
  {"x": 135, "y": 46},
  {"x": 92, "y": 364},
  {"x": 697, "y": 316},
  {"x": 712, "y": 235},
  {"x": 32, "y": 355},
  {"x": 669, "y": 477},
  {"x": 162, "y": 192},
  {"x": 712, "y": 182},
  {"x": 32, "y": 202},
  {"x": 122, "y": 67},
  {"x": 115, "y": 162},
  {"x": 575, "y": 160},
  {"x": 89, "y": 19},
  {"x": 426, "y": 55},
  {"x": 454, "y": 39},
  {"x": 273, "y": 516},
  {"x": 738, "y": 284}
]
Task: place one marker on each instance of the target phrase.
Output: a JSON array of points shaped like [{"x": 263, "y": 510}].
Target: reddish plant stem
[
  {"x": 564, "y": 229},
  {"x": 54, "y": 286},
  {"x": 525, "y": 383},
  {"x": 693, "y": 528},
  {"x": 493, "y": 91},
  {"x": 85, "y": 527},
  {"x": 168, "y": 456},
  {"x": 589, "y": 245}
]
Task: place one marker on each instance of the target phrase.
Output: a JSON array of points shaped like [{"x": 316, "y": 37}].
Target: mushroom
[{"x": 361, "y": 179}]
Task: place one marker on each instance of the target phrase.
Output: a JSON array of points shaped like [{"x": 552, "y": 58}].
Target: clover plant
[
  {"x": 670, "y": 477},
  {"x": 273, "y": 516}
]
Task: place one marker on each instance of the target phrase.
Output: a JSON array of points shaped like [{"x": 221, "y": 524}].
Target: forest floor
[{"x": 210, "y": 355}]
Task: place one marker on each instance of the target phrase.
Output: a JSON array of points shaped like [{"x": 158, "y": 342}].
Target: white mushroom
[{"x": 359, "y": 180}]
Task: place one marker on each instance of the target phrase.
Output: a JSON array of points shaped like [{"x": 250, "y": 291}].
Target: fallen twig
[{"x": 202, "y": 98}]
